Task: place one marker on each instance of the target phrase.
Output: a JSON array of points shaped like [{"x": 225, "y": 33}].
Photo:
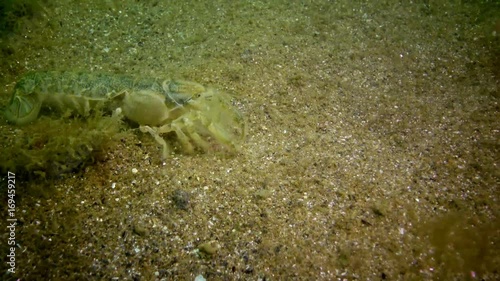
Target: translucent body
[{"x": 200, "y": 117}]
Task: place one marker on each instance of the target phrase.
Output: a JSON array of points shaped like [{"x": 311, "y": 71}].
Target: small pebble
[
  {"x": 263, "y": 194},
  {"x": 181, "y": 199},
  {"x": 207, "y": 249},
  {"x": 200, "y": 278}
]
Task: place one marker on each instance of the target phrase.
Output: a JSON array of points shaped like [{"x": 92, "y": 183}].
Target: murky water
[{"x": 372, "y": 147}]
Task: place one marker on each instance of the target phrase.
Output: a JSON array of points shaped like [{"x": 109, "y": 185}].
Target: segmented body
[
  {"x": 201, "y": 117},
  {"x": 80, "y": 92}
]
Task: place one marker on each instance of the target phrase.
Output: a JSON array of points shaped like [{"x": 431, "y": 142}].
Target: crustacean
[{"x": 202, "y": 118}]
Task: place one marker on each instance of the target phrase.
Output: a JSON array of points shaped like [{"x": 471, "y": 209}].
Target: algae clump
[
  {"x": 462, "y": 245},
  {"x": 15, "y": 13},
  {"x": 53, "y": 147}
]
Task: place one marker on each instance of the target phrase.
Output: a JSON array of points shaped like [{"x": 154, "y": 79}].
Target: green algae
[
  {"x": 53, "y": 147},
  {"x": 16, "y": 13},
  {"x": 461, "y": 245}
]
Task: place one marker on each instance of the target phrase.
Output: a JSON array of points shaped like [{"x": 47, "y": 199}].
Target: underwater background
[{"x": 372, "y": 148}]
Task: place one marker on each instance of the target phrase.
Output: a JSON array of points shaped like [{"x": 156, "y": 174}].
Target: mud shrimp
[{"x": 200, "y": 117}]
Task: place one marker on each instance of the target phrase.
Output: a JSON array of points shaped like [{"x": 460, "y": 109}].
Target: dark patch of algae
[
  {"x": 462, "y": 245},
  {"x": 53, "y": 147}
]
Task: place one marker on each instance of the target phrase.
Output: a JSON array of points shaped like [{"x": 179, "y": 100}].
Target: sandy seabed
[{"x": 372, "y": 150}]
